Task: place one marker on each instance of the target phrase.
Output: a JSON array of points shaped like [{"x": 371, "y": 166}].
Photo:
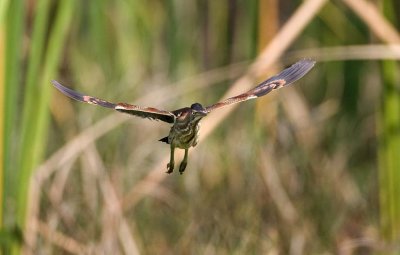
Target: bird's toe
[
  {"x": 170, "y": 168},
  {"x": 182, "y": 167}
]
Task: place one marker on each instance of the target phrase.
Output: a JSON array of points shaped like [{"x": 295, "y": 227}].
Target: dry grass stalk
[
  {"x": 59, "y": 239},
  {"x": 351, "y": 52},
  {"x": 113, "y": 219},
  {"x": 378, "y": 24},
  {"x": 274, "y": 185}
]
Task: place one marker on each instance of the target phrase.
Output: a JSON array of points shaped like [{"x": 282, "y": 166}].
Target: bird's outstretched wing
[
  {"x": 286, "y": 77},
  {"x": 144, "y": 112}
]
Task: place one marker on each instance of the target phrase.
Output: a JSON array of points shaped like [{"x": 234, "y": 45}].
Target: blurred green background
[{"x": 311, "y": 169}]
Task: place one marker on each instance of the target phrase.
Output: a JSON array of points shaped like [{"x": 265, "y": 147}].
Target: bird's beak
[{"x": 201, "y": 113}]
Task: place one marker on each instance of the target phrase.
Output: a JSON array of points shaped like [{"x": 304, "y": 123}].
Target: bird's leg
[
  {"x": 183, "y": 165},
  {"x": 171, "y": 163}
]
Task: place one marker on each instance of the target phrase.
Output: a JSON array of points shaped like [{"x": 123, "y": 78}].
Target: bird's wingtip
[
  {"x": 55, "y": 83},
  {"x": 309, "y": 61}
]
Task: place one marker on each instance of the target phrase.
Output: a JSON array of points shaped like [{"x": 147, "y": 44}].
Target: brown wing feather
[
  {"x": 79, "y": 97},
  {"x": 284, "y": 78},
  {"x": 144, "y": 112}
]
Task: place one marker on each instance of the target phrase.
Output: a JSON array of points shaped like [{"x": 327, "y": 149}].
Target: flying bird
[{"x": 185, "y": 121}]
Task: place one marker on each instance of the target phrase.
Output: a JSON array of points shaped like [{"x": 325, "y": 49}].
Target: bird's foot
[
  {"x": 170, "y": 167},
  {"x": 182, "y": 167}
]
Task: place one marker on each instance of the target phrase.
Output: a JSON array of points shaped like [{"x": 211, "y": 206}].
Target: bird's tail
[{"x": 165, "y": 140}]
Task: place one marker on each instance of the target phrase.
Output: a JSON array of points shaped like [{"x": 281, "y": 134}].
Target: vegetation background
[{"x": 311, "y": 169}]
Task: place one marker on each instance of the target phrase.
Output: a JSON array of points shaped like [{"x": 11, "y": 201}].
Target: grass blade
[
  {"x": 33, "y": 145},
  {"x": 13, "y": 41},
  {"x": 389, "y": 136}
]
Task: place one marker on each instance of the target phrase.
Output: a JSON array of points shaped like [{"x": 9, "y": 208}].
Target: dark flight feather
[
  {"x": 144, "y": 112},
  {"x": 284, "y": 78}
]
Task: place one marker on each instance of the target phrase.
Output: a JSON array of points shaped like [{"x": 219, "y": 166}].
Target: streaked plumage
[{"x": 185, "y": 128}]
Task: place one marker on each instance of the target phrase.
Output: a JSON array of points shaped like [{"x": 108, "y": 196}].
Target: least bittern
[{"x": 185, "y": 121}]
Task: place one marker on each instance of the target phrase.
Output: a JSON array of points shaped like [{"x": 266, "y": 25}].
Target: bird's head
[{"x": 198, "y": 111}]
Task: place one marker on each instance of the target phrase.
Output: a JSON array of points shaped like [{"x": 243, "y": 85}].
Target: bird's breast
[{"x": 184, "y": 136}]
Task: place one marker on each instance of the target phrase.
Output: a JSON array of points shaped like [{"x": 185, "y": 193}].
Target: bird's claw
[
  {"x": 182, "y": 167},
  {"x": 170, "y": 167}
]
